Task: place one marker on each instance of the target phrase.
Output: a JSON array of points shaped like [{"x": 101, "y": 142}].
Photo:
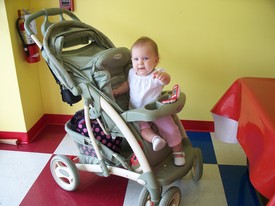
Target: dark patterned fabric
[{"x": 79, "y": 125}]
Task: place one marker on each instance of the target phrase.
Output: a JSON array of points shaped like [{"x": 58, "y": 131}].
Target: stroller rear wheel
[
  {"x": 197, "y": 168},
  {"x": 64, "y": 172},
  {"x": 171, "y": 197}
]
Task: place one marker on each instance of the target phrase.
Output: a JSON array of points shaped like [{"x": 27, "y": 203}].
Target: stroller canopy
[{"x": 79, "y": 54}]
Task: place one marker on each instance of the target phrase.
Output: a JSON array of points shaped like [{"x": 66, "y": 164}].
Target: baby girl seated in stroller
[{"x": 144, "y": 85}]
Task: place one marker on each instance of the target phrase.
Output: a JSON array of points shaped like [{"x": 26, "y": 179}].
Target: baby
[{"x": 145, "y": 84}]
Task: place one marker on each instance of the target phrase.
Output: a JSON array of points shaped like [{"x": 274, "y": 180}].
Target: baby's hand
[
  {"x": 115, "y": 93},
  {"x": 157, "y": 75},
  {"x": 162, "y": 76}
]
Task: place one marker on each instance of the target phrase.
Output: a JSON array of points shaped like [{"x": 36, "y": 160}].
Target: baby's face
[{"x": 144, "y": 59}]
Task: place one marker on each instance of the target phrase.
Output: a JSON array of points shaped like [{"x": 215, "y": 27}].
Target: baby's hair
[{"x": 143, "y": 40}]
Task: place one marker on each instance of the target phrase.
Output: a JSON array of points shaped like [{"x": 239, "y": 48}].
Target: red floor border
[{"x": 60, "y": 119}]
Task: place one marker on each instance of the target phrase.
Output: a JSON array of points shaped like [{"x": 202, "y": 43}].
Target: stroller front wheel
[
  {"x": 144, "y": 198},
  {"x": 171, "y": 197},
  {"x": 64, "y": 172}
]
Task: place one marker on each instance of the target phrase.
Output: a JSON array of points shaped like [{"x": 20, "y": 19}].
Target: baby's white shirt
[{"x": 143, "y": 90}]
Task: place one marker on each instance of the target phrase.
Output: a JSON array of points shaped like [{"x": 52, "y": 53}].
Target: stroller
[{"x": 87, "y": 65}]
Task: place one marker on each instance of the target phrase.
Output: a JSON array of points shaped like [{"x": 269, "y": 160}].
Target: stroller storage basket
[{"x": 86, "y": 150}]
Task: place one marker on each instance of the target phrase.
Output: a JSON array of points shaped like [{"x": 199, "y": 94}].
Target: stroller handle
[{"x": 46, "y": 13}]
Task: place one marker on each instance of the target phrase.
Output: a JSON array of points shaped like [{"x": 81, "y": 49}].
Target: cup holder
[
  {"x": 157, "y": 104},
  {"x": 151, "y": 106}
]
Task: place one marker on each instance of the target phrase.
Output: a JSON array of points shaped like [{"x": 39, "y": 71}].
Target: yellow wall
[
  {"x": 11, "y": 110},
  {"x": 22, "y": 103},
  {"x": 204, "y": 44}
]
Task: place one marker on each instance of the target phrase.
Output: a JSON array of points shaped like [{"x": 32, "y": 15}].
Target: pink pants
[{"x": 167, "y": 128}]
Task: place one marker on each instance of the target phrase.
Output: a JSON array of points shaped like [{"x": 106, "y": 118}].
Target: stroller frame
[{"x": 158, "y": 169}]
